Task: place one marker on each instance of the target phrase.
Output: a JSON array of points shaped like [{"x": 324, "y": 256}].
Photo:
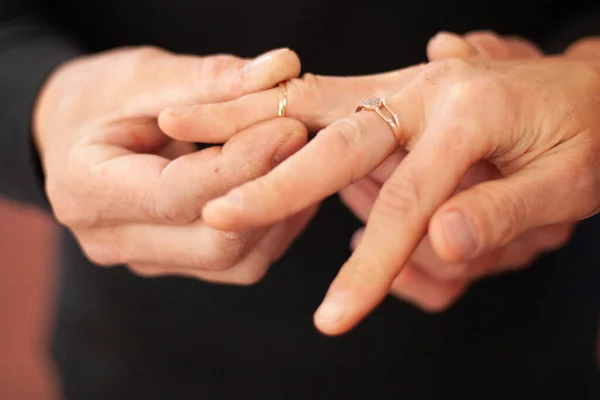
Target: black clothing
[{"x": 527, "y": 335}]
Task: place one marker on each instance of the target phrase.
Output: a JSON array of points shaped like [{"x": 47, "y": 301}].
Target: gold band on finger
[
  {"x": 386, "y": 113},
  {"x": 282, "y": 100}
]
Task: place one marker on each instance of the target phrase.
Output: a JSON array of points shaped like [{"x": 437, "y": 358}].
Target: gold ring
[
  {"x": 386, "y": 113},
  {"x": 282, "y": 100}
]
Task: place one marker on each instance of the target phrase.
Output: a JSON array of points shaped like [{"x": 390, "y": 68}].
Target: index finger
[
  {"x": 399, "y": 219},
  {"x": 339, "y": 155}
]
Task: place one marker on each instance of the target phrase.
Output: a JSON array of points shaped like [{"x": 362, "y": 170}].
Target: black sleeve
[
  {"x": 583, "y": 22},
  {"x": 30, "y": 48}
]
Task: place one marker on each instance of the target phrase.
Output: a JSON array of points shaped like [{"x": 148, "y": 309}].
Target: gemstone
[{"x": 372, "y": 102}]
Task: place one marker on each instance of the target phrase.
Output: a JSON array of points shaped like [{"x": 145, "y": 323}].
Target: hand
[
  {"x": 132, "y": 195},
  {"x": 427, "y": 280},
  {"x": 535, "y": 120}
]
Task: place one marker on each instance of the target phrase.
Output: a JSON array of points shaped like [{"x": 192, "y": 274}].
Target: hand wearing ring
[
  {"x": 453, "y": 114},
  {"x": 380, "y": 107}
]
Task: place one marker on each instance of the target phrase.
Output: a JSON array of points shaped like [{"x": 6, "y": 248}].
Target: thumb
[{"x": 492, "y": 214}]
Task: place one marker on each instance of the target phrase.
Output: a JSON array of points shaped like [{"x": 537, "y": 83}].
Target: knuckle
[
  {"x": 436, "y": 70},
  {"x": 218, "y": 69},
  {"x": 508, "y": 206},
  {"x": 231, "y": 247},
  {"x": 306, "y": 89},
  {"x": 432, "y": 301},
  {"x": 490, "y": 42},
  {"x": 63, "y": 205},
  {"x": 479, "y": 91},
  {"x": 586, "y": 184},
  {"x": 142, "y": 54},
  {"x": 249, "y": 276},
  {"x": 137, "y": 59},
  {"x": 213, "y": 67},
  {"x": 400, "y": 196},
  {"x": 199, "y": 258},
  {"x": 69, "y": 212},
  {"x": 163, "y": 208},
  {"x": 587, "y": 45},
  {"x": 449, "y": 272},
  {"x": 340, "y": 138},
  {"x": 555, "y": 239},
  {"x": 369, "y": 277},
  {"x": 437, "y": 302},
  {"x": 275, "y": 188},
  {"x": 224, "y": 252},
  {"x": 71, "y": 196},
  {"x": 104, "y": 254},
  {"x": 145, "y": 271}
]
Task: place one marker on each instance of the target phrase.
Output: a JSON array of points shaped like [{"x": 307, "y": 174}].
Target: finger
[
  {"x": 339, "y": 155},
  {"x": 523, "y": 251},
  {"x": 427, "y": 293},
  {"x": 522, "y": 48},
  {"x": 497, "y": 47},
  {"x": 517, "y": 254},
  {"x": 480, "y": 172},
  {"x": 193, "y": 250},
  {"x": 193, "y": 246},
  {"x": 584, "y": 49},
  {"x": 387, "y": 168},
  {"x": 446, "y": 45},
  {"x": 295, "y": 227},
  {"x": 416, "y": 285},
  {"x": 156, "y": 79},
  {"x": 360, "y": 197},
  {"x": 356, "y": 237},
  {"x": 316, "y": 101},
  {"x": 425, "y": 258},
  {"x": 399, "y": 218},
  {"x": 551, "y": 237},
  {"x": 174, "y": 192},
  {"x": 480, "y": 43},
  {"x": 493, "y": 213}
]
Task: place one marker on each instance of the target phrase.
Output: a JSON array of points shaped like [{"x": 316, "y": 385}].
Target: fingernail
[
  {"x": 264, "y": 58},
  {"x": 332, "y": 309},
  {"x": 286, "y": 148},
  {"x": 460, "y": 233},
  {"x": 179, "y": 111}
]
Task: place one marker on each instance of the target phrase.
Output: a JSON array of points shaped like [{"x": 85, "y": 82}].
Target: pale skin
[
  {"x": 428, "y": 281},
  {"x": 535, "y": 120},
  {"x": 174, "y": 242},
  {"x": 131, "y": 194}
]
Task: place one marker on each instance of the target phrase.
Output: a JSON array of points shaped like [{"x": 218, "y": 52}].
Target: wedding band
[
  {"x": 282, "y": 100},
  {"x": 386, "y": 113}
]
